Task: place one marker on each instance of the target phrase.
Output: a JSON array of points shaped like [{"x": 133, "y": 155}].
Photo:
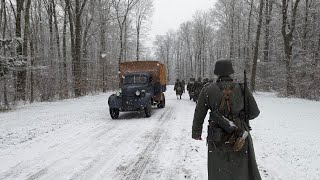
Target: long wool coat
[
  {"x": 223, "y": 162},
  {"x": 178, "y": 88}
]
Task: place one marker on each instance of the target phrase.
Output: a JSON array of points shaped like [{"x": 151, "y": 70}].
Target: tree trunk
[
  {"x": 102, "y": 47},
  {"x": 72, "y": 38},
  {"x": 20, "y": 71},
  {"x": 51, "y": 86},
  {"x": 64, "y": 54},
  {"x": 84, "y": 63},
  {"x": 77, "y": 51},
  {"x": 5, "y": 91},
  {"x": 25, "y": 42},
  {"x": 287, "y": 33},
  {"x": 256, "y": 48},
  {"x": 305, "y": 27},
  {"x": 247, "y": 59},
  {"x": 231, "y": 53},
  {"x": 138, "y": 38},
  {"x": 60, "y": 65},
  {"x": 2, "y": 12},
  {"x": 239, "y": 38},
  {"x": 318, "y": 52},
  {"x": 32, "y": 56},
  {"x": 268, "y": 11},
  {"x": 76, "y": 40},
  {"x": 266, "y": 52}
]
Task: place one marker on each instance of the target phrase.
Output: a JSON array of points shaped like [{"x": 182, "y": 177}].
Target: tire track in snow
[
  {"x": 101, "y": 161},
  {"x": 38, "y": 174},
  {"x": 110, "y": 152},
  {"x": 136, "y": 167}
]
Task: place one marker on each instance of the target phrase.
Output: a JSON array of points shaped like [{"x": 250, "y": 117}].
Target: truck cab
[{"x": 138, "y": 92}]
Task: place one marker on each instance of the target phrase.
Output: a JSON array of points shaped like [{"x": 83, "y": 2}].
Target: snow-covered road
[{"x": 77, "y": 139}]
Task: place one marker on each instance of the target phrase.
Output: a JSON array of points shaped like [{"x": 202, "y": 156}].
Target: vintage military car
[{"x": 143, "y": 84}]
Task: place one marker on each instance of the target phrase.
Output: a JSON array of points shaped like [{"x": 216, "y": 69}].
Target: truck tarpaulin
[{"x": 155, "y": 68}]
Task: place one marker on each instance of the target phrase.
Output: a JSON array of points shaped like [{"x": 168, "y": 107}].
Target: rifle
[{"x": 246, "y": 113}]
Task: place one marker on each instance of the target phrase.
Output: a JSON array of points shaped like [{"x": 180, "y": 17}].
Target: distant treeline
[{"x": 276, "y": 41}]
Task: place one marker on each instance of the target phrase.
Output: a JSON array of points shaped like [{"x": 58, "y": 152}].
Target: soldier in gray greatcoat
[
  {"x": 225, "y": 99},
  {"x": 183, "y": 83},
  {"x": 205, "y": 81},
  {"x": 178, "y": 88},
  {"x": 190, "y": 88},
  {"x": 197, "y": 87}
]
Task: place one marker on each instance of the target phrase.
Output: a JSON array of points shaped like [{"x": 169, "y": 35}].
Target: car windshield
[{"x": 135, "y": 79}]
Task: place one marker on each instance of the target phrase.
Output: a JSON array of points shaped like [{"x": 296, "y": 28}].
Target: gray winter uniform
[{"x": 223, "y": 162}]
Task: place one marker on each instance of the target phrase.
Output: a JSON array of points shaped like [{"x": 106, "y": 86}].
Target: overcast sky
[{"x": 169, "y": 14}]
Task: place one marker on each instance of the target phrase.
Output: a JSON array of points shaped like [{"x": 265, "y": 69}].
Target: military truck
[{"x": 142, "y": 85}]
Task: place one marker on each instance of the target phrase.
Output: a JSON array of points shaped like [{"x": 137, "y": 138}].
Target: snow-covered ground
[{"x": 77, "y": 139}]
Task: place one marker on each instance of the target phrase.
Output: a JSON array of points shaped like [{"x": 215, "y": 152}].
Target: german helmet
[{"x": 223, "y": 68}]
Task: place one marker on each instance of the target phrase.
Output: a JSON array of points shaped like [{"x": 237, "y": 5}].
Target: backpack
[
  {"x": 231, "y": 100},
  {"x": 230, "y": 104}
]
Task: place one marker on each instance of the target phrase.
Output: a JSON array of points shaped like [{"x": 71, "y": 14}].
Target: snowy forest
[
  {"x": 59, "y": 49},
  {"x": 276, "y": 41}
]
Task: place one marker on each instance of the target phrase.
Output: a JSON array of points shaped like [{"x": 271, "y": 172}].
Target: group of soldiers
[{"x": 194, "y": 87}]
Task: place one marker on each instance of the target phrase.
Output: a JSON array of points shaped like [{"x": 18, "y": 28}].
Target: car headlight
[{"x": 137, "y": 93}]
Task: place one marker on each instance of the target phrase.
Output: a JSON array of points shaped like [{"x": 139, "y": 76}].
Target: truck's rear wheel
[
  {"x": 114, "y": 112},
  {"x": 147, "y": 110}
]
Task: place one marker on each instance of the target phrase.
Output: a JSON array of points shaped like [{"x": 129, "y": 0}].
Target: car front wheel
[{"x": 114, "y": 113}]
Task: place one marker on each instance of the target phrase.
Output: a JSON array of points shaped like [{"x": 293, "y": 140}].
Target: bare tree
[
  {"x": 122, "y": 8},
  {"x": 248, "y": 42},
  {"x": 287, "y": 31},
  {"x": 64, "y": 54},
  {"x": 75, "y": 23},
  {"x": 142, "y": 12},
  {"x": 21, "y": 72},
  {"x": 256, "y": 48}
]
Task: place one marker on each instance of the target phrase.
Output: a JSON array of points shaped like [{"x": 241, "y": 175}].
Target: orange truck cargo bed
[{"x": 155, "y": 68}]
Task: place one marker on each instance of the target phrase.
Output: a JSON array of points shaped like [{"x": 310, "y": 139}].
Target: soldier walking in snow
[
  {"x": 205, "y": 81},
  {"x": 230, "y": 147},
  {"x": 197, "y": 87},
  {"x": 178, "y": 88},
  {"x": 190, "y": 88},
  {"x": 183, "y": 83}
]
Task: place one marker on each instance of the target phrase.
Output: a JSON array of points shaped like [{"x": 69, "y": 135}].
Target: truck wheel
[
  {"x": 114, "y": 112},
  {"x": 162, "y": 103},
  {"x": 147, "y": 110}
]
